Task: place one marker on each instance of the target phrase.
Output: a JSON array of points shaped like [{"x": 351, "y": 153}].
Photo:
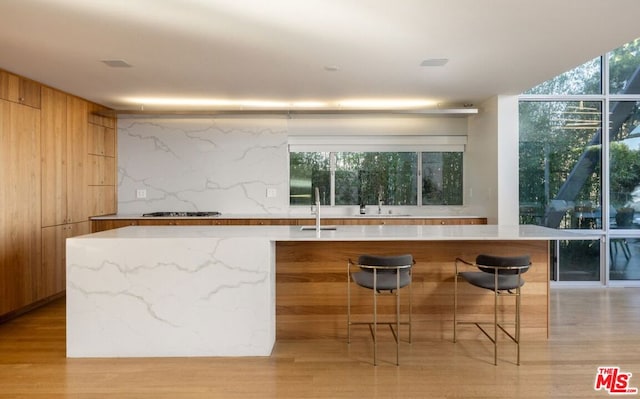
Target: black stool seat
[{"x": 386, "y": 269}]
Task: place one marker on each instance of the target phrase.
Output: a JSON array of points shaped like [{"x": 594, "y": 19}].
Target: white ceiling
[{"x": 277, "y": 50}]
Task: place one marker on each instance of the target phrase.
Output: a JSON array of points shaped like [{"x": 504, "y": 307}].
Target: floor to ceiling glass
[
  {"x": 560, "y": 177},
  {"x": 624, "y": 163},
  {"x": 571, "y": 179}
]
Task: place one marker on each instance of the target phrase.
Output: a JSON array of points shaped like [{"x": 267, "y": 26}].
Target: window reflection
[
  {"x": 560, "y": 168},
  {"x": 371, "y": 178},
  {"x": 623, "y": 69}
]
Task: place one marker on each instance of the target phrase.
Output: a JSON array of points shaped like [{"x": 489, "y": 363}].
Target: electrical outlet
[
  {"x": 141, "y": 194},
  {"x": 271, "y": 193}
]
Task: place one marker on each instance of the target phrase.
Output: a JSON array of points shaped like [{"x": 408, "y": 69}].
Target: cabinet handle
[{"x": 21, "y": 99}]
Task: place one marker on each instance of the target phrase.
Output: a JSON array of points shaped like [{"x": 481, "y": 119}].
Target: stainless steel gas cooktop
[{"x": 181, "y": 214}]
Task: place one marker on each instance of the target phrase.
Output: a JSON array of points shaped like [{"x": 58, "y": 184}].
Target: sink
[{"x": 325, "y": 227}]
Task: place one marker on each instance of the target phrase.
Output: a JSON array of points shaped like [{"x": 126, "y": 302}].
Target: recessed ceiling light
[
  {"x": 116, "y": 63},
  {"x": 434, "y": 62}
]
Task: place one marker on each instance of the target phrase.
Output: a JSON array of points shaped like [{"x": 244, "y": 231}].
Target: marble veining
[
  {"x": 169, "y": 297},
  {"x": 206, "y": 290},
  {"x": 195, "y": 164}
]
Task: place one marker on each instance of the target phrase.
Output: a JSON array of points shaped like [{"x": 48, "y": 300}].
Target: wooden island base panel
[
  {"x": 311, "y": 290},
  {"x": 162, "y": 291}
]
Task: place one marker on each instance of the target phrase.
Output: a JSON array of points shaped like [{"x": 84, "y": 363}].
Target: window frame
[{"x": 456, "y": 145}]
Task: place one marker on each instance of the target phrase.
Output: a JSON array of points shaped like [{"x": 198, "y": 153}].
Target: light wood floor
[{"x": 589, "y": 328}]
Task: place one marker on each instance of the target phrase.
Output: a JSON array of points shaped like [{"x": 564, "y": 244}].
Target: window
[
  {"x": 308, "y": 170},
  {"x": 580, "y": 164},
  {"x": 623, "y": 68},
  {"x": 369, "y": 177},
  {"x": 396, "y": 178},
  {"x": 584, "y": 79},
  {"x": 442, "y": 178},
  {"x": 560, "y": 154}
]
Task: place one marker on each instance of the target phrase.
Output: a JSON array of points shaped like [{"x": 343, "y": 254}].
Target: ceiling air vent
[
  {"x": 116, "y": 63},
  {"x": 434, "y": 62}
]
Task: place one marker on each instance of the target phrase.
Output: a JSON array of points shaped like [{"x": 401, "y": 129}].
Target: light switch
[
  {"x": 271, "y": 193},
  {"x": 141, "y": 194}
]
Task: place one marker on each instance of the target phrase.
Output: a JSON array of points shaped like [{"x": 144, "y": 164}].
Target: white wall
[
  {"x": 508, "y": 160},
  {"x": 492, "y": 160},
  {"x": 481, "y": 162},
  {"x": 227, "y": 164}
]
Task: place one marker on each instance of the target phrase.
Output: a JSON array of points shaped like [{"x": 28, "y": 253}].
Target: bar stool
[
  {"x": 503, "y": 276},
  {"x": 381, "y": 274}
]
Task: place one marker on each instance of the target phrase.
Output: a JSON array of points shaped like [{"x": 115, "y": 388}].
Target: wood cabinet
[
  {"x": 102, "y": 140},
  {"x": 102, "y": 200},
  {"x": 20, "y": 252},
  {"x": 19, "y": 90},
  {"x": 53, "y": 116},
  {"x": 64, "y": 126},
  {"x": 108, "y": 224},
  {"x": 46, "y": 174},
  {"x": 77, "y": 198},
  {"x": 76, "y": 183},
  {"x": 51, "y": 276},
  {"x": 101, "y": 153}
]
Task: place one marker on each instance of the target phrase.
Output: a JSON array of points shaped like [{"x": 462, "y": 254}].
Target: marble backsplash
[{"x": 202, "y": 164}]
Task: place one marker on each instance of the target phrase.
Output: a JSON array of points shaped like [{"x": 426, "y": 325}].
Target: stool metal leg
[
  {"x": 375, "y": 317},
  {"x": 397, "y": 317},
  {"x": 518, "y": 322},
  {"x": 410, "y": 303},
  {"x": 455, "y": 302},
  {"x": 349, "y": 302},
  {"x": 495, "y": 320},
  {"x": 387, "y": 286}
]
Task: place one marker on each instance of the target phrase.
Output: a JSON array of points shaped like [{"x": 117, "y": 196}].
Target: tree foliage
[{"x": 562, "y": 138}]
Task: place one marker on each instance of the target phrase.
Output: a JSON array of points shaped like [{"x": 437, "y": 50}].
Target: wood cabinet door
[
  {"x": 53, "y": 116},
  {"x": 51, "y": 279},
  {"x": 19, "y": 90},
  {"x": 101, "y": 140},
  {"x": 101, "y": 171},
  {"x": 102, "y": 200},
  {"x": 29, "y": 93},
  {"x": 96, "y": 139},
  {"x": 19, "y": 204},
  {"x": 77, "y": 120},
  {"x": 9, "y": 86}
]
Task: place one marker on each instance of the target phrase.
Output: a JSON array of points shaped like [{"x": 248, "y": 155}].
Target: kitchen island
[{"x": 211, "y": 290}]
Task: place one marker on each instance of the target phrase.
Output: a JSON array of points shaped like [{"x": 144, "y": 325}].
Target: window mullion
[
  {"x": 419, "y": 178},
  {"x": 332, "y": 177}
]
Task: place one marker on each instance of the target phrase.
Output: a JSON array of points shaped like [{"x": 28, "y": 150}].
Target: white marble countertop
[
  {"x": 350, "y": 233},
  {"x": 286, "y": 216},
  {"x": 145, "y": 291}
]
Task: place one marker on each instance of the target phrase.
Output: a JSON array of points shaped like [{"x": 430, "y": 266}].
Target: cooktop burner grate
[{"x": 181, "y": 214}]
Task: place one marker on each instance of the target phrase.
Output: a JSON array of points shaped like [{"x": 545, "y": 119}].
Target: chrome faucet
[{"x": 380, "y": 202}]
